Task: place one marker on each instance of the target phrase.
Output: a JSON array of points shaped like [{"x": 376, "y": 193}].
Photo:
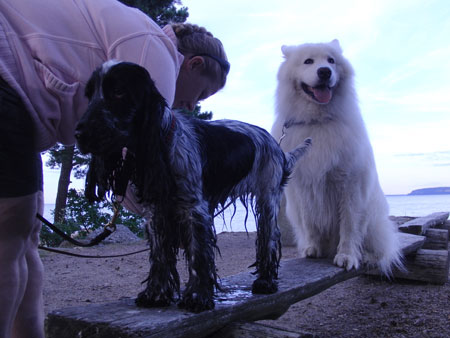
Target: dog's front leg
[
  {"x": 268, "y": 247},
  {"x": 351, "y": 229},
  {"x": 199, "y": 241},
  {"x": 163, "y": 280}
]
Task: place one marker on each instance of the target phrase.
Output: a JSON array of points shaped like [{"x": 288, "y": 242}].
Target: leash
[
  {"x": 106, "y": 232},
  {"x": 292, "y": 122},
  {"x": 108, "y": 229},
  {"x": 89, "y": 256},
  {"x": 286, "y": 126}
]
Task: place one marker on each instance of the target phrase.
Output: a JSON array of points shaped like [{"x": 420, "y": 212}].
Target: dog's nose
[{"x": 324, "y": 73}]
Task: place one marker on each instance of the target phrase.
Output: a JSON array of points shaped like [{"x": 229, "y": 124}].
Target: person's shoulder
[{"x": 112, "y": 13}]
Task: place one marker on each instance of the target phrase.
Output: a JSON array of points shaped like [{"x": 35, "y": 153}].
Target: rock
[{"x": 121, "y": 235}]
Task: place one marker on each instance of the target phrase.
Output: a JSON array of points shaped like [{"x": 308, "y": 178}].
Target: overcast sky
[{"x": 400, "y": 50}]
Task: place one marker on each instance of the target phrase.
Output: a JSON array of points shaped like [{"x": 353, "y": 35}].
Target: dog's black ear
[
  {"x": 96, "y": 183},
  {"x": 153, "y": 171},
  {"x": 93, "y": 84}
]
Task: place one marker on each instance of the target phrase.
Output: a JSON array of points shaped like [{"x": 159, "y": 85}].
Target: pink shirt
[{"x": 49, "y": 49}]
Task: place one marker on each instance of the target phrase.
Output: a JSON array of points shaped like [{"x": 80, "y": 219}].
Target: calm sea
[{"x": 400, "y": 205}]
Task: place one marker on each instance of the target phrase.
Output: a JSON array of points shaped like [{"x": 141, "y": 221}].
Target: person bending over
[{"x": 48, "y": 51}]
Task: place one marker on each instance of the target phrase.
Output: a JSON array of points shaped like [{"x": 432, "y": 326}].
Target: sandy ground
[{"x": 360, "y": 307}]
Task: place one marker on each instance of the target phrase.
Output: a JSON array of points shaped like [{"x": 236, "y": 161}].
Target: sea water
[
  {"x": 417, "y": 205},
  {"x": 400, "y": 205}
]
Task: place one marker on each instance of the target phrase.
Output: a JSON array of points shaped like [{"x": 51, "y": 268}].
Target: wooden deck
[
  {"x": 298, "y": 279},
  {"x": 420, "y": 225}
]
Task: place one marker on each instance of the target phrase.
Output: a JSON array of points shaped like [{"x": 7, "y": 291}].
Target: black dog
[{"x": 181, "y": 169}]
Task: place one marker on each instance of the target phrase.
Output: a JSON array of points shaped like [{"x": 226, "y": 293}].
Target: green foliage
[
  {"x": 207, "y": 115},
  {"x": 58, "y": 153},
  {"x": 161, "y": 11},
  {"x": 82, "y": 217}
]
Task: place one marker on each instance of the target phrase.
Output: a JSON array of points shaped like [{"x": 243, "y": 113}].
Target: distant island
[{"x": 431, "y": 191}]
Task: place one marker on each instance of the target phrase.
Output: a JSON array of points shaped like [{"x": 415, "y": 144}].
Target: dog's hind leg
[
  {"x": 199, "y": 242},
  {"x": 268, "y": 245}
]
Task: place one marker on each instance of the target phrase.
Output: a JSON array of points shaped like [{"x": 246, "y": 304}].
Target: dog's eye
[
  {"x": 118, "y": 93},
  {"x": 309, "y": 61},
  {"x": 331, "y": 60}
]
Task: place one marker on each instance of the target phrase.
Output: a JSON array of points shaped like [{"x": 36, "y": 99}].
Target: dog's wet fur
[{"x": 181, "y": 169}]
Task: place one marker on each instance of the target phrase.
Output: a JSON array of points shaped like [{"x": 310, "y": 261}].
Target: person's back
[
  {"x": 57, "y": 44},
  {"x": 48, "y": 50}
]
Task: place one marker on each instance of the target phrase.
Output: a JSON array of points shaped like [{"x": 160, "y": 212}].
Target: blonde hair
[{"x": 195, "y": 40}]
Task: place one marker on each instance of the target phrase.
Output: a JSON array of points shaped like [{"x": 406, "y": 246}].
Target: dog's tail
[
  {"x": 293, "y": 156},
  {"x": 383, "y": 246}
]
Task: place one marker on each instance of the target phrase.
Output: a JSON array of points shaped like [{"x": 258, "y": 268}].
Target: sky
[{"x": 400, "y": 51}]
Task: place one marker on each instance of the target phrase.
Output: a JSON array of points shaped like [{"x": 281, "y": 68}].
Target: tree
[
  {"x": 207, "y": 115},
  {"x": 67, "y": 158},
  {"x": 161, "y": 11}
]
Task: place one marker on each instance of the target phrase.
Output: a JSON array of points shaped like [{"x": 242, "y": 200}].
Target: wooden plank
[
  {"x": 426, "y": 263},
  {"x": 430, "y": 266},
  {"x": 299, "y": 279},
  {"x": 258, "y": 330},
  {"x": 436, "y": 239},
  {"x": 419, "y": 225},
  {"x": 410, "y": 243},
  {"x": 445, "y": 226}
]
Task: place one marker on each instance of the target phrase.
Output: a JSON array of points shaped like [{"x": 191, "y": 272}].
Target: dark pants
[{"x": 20, "y": 163}]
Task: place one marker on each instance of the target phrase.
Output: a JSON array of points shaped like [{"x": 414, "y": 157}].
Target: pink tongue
[{"x": 322, "y": 94}]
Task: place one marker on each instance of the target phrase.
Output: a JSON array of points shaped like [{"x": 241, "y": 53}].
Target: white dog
[{"x": 334, "y": 199}]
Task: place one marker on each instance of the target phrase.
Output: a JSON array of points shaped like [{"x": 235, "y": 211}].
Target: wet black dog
[{"x": 181, "y": 169}]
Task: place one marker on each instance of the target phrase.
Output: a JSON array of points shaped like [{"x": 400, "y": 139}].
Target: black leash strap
[
  {"x": 89, "y": 256},
  {"x": 106, "y": 232}
]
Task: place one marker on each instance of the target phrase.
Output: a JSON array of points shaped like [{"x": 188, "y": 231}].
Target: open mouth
[{"x": 322, "y": 93}]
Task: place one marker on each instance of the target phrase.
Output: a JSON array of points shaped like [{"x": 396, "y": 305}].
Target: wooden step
[{"x": 298, "y": 279}]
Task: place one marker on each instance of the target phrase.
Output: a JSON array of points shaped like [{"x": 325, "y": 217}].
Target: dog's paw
[
  {"x": 312, "y": 252},
  {"x": 346, "y": 261},
  {"x": 150, "y": 299},
  {"x": 194, "y": 302},
  {"x": 264, "y": 286}
]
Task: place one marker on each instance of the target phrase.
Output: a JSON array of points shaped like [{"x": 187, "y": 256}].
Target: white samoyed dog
[{"x": 333, "y": 200}]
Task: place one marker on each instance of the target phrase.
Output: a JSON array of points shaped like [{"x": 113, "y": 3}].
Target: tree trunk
[{"x": 63, "y": 183}]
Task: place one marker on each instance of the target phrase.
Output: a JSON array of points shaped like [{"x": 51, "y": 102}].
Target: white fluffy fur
[{"x": 334, "y": 200}]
